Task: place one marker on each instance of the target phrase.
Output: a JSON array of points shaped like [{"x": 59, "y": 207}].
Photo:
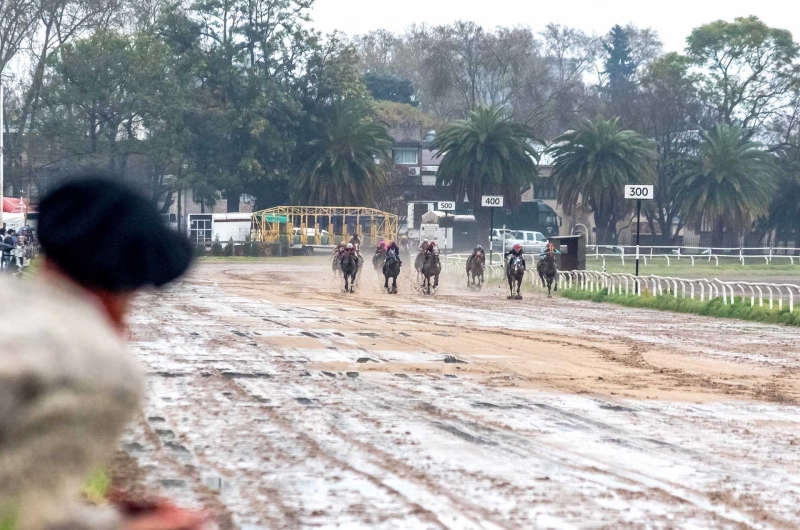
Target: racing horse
[
  {"x": 349, "y": 270},
  {"x": 475, "y": 267},
  {"x": 515, "y": 272},
  {"x": 391, "y": 269},
  {"x": 548, "y": 270},
  {"x": 336, "y": 264},
  {"x": 378, "y": 259},
  {"x": 431, "y": 267}
]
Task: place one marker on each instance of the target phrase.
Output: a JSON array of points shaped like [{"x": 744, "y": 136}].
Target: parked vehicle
[{"x": 532, "y": 242}]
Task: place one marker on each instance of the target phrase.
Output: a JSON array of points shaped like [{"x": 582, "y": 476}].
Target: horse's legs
[{"x": 436, "y": 281}]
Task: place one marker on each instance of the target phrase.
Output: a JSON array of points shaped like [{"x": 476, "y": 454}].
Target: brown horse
[
  {"x": 431, "y": 268},
  {"x": 548, "y": 271},
  {"x": 475, "y": 267}
]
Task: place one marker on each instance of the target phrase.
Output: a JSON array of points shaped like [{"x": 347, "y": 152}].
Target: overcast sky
[{"x": 672, "y": 19}]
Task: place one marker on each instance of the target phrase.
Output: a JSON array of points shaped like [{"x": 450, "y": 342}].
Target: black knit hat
[{"x": 104, "y": 235}]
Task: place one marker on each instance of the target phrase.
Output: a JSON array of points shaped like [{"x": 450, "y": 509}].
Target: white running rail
[{"x": 703, "y": 289}]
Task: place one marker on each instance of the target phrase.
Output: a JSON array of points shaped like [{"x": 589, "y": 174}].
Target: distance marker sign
[
  {"x": 446, "y": 206},
  {"x": 642, "y": 192},
  {"x": 492, "y": 201}
]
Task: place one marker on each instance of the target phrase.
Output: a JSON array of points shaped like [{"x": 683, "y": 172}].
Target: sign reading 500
[{"x": 492, "y": 201}]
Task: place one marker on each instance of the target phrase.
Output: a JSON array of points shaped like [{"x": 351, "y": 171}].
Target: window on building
[
  {"x": 544, "y": 194},
  {"x": 407, "y": 157},
  {"x": 200, "y": 228}
]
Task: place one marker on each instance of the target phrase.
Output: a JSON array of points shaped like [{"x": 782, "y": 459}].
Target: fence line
[
  {"x": 768, "y": 254},
  {"x": 619, "y": 283}
]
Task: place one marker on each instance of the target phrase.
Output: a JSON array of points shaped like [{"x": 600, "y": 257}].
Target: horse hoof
[
  {"x": 519, "y": 297},
  {"x": 510, "y": 297}
]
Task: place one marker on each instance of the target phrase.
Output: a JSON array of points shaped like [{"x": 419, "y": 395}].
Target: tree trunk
[{"x": 718, "y": 233}]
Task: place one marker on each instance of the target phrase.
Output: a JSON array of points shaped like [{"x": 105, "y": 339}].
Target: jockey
[
  {"x": 382, "y": 245},
  {"x": 431, "y": 248},
  {"x": 394, "y": 248},
  {"x": 477, "y": 250},
  {"x": 423, "y": 247},
  {"x": 351, "y": 248},
  {"x": 355, "y": 240},
  {"x": 405, "y": 244},
  {"x": 516, "y": 252}
]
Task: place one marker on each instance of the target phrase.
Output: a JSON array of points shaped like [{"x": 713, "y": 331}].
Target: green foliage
[
  {"x": 216, "y": 248},
  {"x": 748, "y": 68},
  {"x": 384, "y": 87},
  {"x": 784, "y": 211},
  {"x": 228, "y": 249},
  {"x": 199, "y": 250},
  {"x": 347, "y": 161},
  {"x": 729, "y": 182},
  {"x": 486, "y": 153},
  {"x": 714, "y": 308},
  {"x": 593, "y": 163}
]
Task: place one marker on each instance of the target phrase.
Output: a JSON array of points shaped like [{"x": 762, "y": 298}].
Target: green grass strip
[{"x": 714, "y": 308}]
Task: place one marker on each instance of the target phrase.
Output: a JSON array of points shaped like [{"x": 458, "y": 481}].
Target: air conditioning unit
[{"x": 414, "y": 172}]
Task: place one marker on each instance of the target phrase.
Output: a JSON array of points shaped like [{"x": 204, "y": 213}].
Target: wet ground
[{"x": 276, "y": 401}]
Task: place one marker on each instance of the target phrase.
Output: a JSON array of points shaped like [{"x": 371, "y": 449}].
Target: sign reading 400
[{"x": 492, "y": 201}]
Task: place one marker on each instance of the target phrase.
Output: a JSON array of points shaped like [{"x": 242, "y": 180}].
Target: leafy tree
[
  {"x": 668, "y": 110},
  {"x": 390, "y": 88},
  {"x": 486, "y": 153},
  {"x": 593, "y": 163},
  {"x": 748, "y": 69},
  {"x": 784, "y": 212},
  {"x": 346, "y": 164},
  {"x": 729, "y": 183},
  {"x": 620, "y": 70}
]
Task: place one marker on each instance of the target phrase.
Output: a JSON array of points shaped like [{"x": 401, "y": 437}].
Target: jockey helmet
[
  {"x": 517, "y": 247},
  {"x": 349, "y": 246},
  {"x": 478, "y": 248}
]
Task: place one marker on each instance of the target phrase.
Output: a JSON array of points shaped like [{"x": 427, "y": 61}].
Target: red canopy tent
[{"x": 14, "y": 205}]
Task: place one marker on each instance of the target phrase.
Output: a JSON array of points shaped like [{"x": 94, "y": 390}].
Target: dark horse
[
  {"x": 391, "y": 269},
  {"x": 515, "y": 272},
  {"x": 378, "y": 259},
  {"x": 475, "y": 266},
  {"x": 548, "y": 272},
  {"x": 431, "y": 268},
  {"x": 349, "y": 271}
]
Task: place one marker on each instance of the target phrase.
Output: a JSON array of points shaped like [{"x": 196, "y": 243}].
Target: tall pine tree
[{"x": 620, "y": 70}]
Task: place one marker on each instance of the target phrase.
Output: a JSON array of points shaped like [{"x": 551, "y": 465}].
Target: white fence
[
  {"x": 670, "y": 254},
  {"x": 754, "y": 293}
]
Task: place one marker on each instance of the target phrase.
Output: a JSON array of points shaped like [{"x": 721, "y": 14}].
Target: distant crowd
[{"x": 17, "y": 247}]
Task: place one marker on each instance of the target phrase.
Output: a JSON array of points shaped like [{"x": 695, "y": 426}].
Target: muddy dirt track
[{"x": 276, "y": 401}]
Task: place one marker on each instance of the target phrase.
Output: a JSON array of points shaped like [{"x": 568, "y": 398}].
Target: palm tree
[
  {"x": 347, "y": 163},
  {"x": 486, "y": 154},
  {"x": 593, "y": 163},
  {"x": 729, "y": 183},
  {"x": 783, "y": 219}
]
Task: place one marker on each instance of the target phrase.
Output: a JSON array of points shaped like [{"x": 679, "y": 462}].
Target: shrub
[
  {"x": 228, "y": 250},
  {"x": 216, "y": 249}
]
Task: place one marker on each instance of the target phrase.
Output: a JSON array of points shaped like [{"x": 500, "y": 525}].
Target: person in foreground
[{"x": 67, "y": 384}]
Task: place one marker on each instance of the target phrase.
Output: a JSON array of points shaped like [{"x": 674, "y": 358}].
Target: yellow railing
[{"x": 323, "y": 225}]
